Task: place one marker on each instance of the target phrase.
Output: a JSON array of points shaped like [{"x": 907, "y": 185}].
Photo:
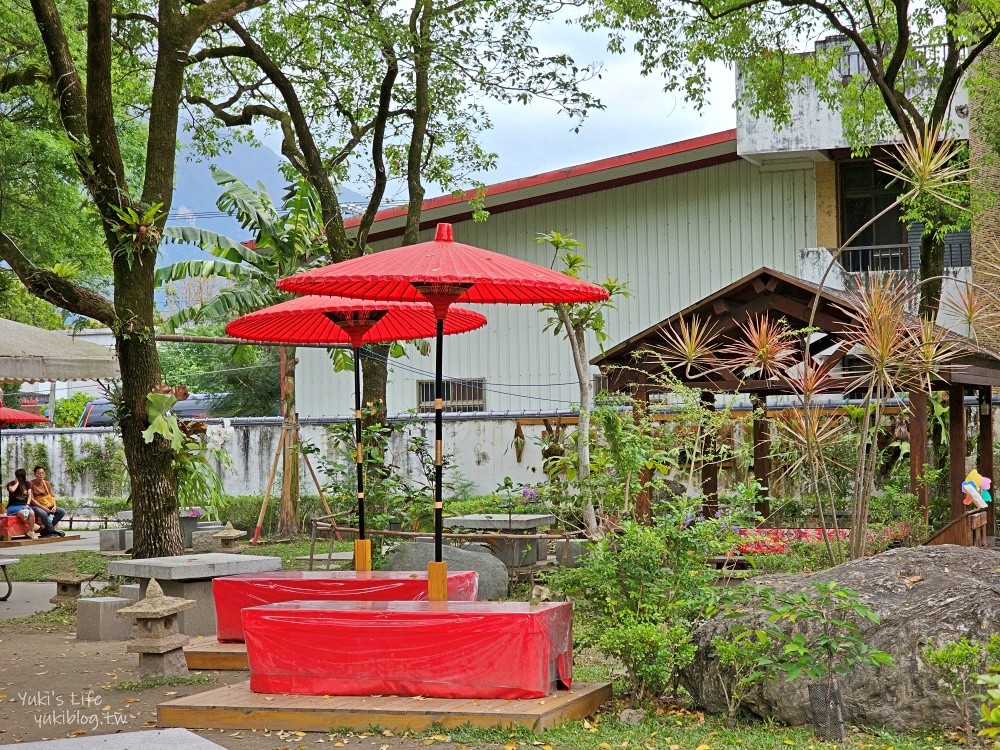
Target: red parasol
[
  {"x": 337, "y": 320},
  {"x": 442, "y": 272},
  {"x": 16, "y": 416}
]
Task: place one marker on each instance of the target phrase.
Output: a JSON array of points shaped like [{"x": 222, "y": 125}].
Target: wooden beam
[
  {"x": 709, "y": 468},
  {"x": 985, "y": 450},
  {"x": 762, "y": 452},
  {"x": 956, "y": 448},
  {"x": 918, "y": 449}
]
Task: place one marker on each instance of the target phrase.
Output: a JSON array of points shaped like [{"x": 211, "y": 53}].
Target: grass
[
  {"x": 39, "y": 567},
  {"x": 677, "y": 729},
  {"x": 161, "y": 680},
  {"x": 64, "y": 615},
  {"x": 288, "y": 551}
]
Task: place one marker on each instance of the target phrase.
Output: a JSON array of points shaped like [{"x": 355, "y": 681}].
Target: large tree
[
  {"x": 95, "y": 88},
  {"x": 388, "y": 90},
  {"x": 893, "y": 71}
]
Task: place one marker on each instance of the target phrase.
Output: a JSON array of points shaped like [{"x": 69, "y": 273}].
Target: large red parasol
[
  {"x": 16, "y": 416},
  {"x": 442, "y": 272},
  {"x": 337, "y": 320}
]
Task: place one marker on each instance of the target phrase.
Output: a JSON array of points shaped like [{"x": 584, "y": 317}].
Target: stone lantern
[
  {"x": 159, "y": 643},
  {"x": 229, "y": 539}
]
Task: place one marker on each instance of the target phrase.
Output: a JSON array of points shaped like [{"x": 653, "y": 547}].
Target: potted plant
[{"x": 818, "y": 637}]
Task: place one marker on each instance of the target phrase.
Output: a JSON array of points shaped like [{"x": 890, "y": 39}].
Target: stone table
[
  {"x": 513, "y": 552},
  {"x": 190, "y": 577}
]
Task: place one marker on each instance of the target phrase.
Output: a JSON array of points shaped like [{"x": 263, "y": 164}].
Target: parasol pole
[
  {"x": 362, "y": 545},
  {"x": 437, "y": 571}
]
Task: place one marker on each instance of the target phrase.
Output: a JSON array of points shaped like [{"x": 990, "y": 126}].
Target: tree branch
[
  {"x": 52, "y": 287},
  {"x": 217, "y": 11},
  {"x": 218, "y": 53},
  {"x": 29, "y": 76}
]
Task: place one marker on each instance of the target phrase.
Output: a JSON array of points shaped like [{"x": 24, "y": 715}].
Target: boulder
[
  {"x": 416, "y": 555},
  {"x": 922, "y": 595}
]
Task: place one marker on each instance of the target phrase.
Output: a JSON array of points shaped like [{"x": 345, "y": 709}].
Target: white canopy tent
[{"x": 29, "y": 354}]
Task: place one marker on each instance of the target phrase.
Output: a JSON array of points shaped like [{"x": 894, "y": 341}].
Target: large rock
[
  {"x": 922, "y": 595},
  {"x": 416, "y": 555}
]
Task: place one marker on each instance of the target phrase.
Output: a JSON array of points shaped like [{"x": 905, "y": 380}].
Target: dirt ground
[{"x": 52, "y": 686}]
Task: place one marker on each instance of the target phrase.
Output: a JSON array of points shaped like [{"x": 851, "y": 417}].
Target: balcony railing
[{"x": 901, "y": 257}]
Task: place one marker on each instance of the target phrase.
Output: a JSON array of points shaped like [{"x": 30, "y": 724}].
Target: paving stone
[{"x": 151, "y": 739}]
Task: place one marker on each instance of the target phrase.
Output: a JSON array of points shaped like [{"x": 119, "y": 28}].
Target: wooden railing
[{"x": 968, "y": 531}]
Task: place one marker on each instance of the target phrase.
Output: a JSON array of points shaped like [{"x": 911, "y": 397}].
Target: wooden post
[
  {"x": 762, "y": 452},
  {"x": 709, "y": 469},
  {"x": 643, "y": 499},
  {"x": 437, "y": 581},
  {"x": 985, "y": 457},
  {"x": 362, "y": 555},
  {"x": 918, "y": 449},
  {"x": 956, "y": 448}
]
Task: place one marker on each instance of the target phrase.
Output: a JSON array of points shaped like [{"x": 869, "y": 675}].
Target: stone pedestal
[
  {"x": 158, "y": 642},
  {"x": 69, "y": 586}
]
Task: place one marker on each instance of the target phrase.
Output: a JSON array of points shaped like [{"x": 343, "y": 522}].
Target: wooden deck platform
[
  {"x": 208, "y": 653},
  {"x": 25, "y": 542},
  {"x": 236, "y": 707}
]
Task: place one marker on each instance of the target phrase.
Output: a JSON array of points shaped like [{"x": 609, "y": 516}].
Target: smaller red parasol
[
  {"x": 333, "y": 321},
  {"x": 16, "y": 416}
]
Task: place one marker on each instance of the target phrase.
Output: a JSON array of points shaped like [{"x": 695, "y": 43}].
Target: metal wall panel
[{"x": 675, "y": 239}]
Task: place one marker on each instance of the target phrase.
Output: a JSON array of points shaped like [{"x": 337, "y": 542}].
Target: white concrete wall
[
  {"x": 815, "y": 126},
  {"x": 481, "y": 451}
]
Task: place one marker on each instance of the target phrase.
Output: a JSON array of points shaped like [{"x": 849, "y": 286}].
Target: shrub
[
  {"x": 70, "y": 409},
  {"x": 641, "y": 590},
  {"x": 958, "y": 665}
]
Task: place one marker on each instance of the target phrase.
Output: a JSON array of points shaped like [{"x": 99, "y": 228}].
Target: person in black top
[{"x": 18, "y": 499}]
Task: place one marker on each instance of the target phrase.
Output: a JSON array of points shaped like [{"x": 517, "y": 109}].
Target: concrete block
[
  {"x": 568, "y": 551},
  {"x": 200, "y": 620},
  {"x": 127, "y": 542},
  {"x": 125, "y": 516},
  {"x": 113, "y": 540},
  {"x": 96, "y": 620},
  {"x": 131, "y": 591},
  {"x": 205, "y": 541}
]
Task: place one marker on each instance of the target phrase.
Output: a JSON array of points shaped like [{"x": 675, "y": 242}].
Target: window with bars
[{"x": 459, "y": 395}]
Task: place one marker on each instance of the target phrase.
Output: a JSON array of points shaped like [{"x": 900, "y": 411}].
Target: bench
[
  {"x": 11, "y": 526},
  {"x": 4, "y": 562},
  {"x": 463, "y": 650}
]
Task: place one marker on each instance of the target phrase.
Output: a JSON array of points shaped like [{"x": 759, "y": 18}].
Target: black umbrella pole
[
  {"x": 437, "y": 572},
  {"x": 362, "y": 546}
]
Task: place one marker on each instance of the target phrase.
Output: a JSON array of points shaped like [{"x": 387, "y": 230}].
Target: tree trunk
[
  {"x": 151, "y": 470},
  {"x": 288, "y": 511},
  {"x": 375, "y": 371},
  {"x": 931, "y": 269}
]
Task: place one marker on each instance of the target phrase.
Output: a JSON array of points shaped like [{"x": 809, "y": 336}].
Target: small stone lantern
[
  {"x": 69, "y": 585},
  {"x": 160, "y": 644},
  {"x": 229, "y": 539}
]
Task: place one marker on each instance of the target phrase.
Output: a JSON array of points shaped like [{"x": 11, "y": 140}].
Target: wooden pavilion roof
[{"x": 632, "y": 362}]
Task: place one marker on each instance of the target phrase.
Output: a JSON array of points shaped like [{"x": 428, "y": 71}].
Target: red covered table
[
  {"x": 234, "y": 593},
  {"x": 432, "y": 649}
]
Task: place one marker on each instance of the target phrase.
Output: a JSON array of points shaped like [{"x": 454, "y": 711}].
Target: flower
[{"x": 191, "y": 512}]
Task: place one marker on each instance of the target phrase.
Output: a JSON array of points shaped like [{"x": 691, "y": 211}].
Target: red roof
[{"x": 603, "y": 174}]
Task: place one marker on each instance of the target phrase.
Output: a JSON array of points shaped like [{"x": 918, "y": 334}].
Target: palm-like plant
[{"x": 286, "y": 239}]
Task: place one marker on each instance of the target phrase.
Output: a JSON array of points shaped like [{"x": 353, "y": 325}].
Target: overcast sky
[{"x": 639, "y": 114}]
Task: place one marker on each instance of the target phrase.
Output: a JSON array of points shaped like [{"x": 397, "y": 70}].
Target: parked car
[{"x": 100, "y": 411}]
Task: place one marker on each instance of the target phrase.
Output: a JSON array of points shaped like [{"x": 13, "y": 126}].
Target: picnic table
[
  {"x": 513, "y": 552},
  {"x": 4, "y": 562}
]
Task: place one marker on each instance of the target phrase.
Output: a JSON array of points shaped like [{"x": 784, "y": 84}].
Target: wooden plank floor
[
  {"x": 236, "y": 707},
  {"x": 208, "y": 653},
  {"x": 40, "y": 540}
]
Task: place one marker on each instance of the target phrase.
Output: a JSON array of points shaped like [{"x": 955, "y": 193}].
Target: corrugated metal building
[{"x": 676, "y": 222}]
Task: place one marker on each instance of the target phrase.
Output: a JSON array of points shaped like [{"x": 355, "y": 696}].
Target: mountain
[{"x": 195, "y": 193}]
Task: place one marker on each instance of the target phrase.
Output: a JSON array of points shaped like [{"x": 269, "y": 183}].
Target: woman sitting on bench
[
  {"x": 43, "y": 498},
  {"x": 18, "y": 499}
]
